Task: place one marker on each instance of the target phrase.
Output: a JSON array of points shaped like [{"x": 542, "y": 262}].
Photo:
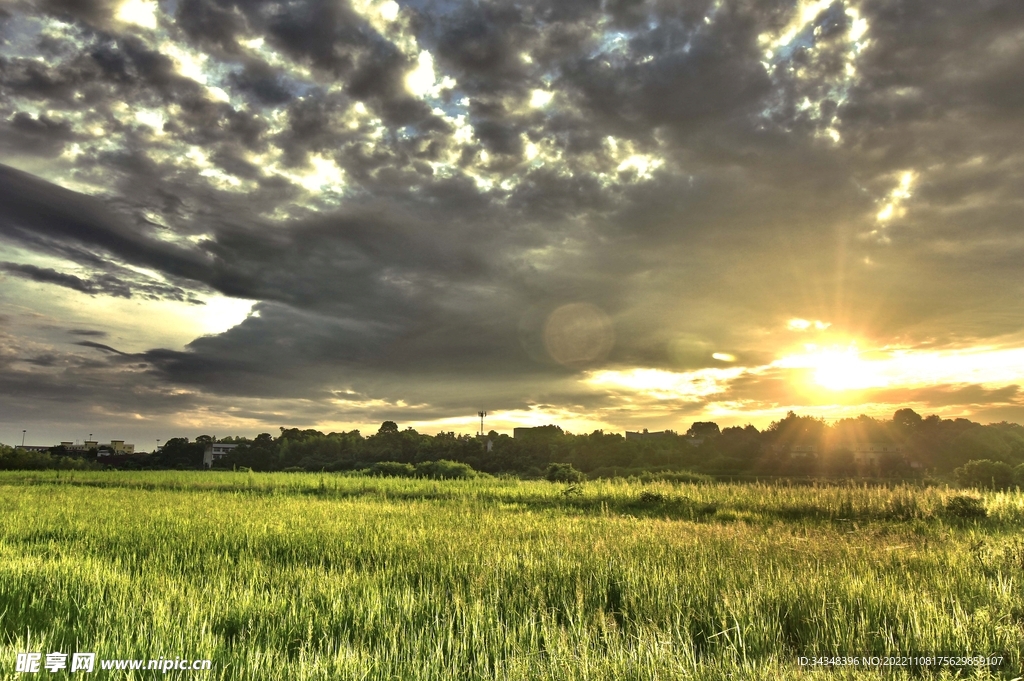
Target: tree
[
  {"x": 563, "y": 472},
  {"x": 178, "y": 452},
  {"x": 907, "y": 419},
  {"x": 704, "y": 429},
  {"x": 985, "y": 474},
  {"x": 1018, "y": 475},
  {"x": 387, "y": 427}
]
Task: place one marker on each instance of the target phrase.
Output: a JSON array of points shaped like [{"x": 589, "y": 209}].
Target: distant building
[
  {"x": 114, "y": 447},
  {"x": 215, "y": 451},
  {"x": 800, "y": 449},
  {"x": 34, "y": 448},
  {"x": 871, "y": 453},
  {"x": 644, "y": 435}
]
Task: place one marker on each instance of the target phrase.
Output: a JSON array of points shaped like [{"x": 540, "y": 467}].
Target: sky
[{"x": 227, "y": 216}]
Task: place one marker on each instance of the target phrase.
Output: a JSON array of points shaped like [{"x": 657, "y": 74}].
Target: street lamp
[{"x": 23, "y": 438}]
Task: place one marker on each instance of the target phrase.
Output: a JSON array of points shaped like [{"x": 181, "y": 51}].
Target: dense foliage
[
  {"x": 793, "y": 446},
  {"x": 796, "y": 446},
  {"x": 12, "y": 459}
]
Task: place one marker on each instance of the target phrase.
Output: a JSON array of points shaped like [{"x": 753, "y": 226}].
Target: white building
[
  {"x": 215, "y": 451},
  {"x": 114, "y": 447}
]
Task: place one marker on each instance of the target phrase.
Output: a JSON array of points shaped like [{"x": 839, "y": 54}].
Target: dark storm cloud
[
  {"x": 100, "y": 346},
  {"x": 283, "y": 352},
  {"x": 36, "y": 387},
  {"x": 35, "y": 135},
  {"x": 102, "y": 284},
  {"x": 34, "y": 211},
  {"x": 264, "y": 83},
  {"x": 482, "y": 43},
  {"x": 326, "y": 35},
  {"x": 119, "y": 283}
]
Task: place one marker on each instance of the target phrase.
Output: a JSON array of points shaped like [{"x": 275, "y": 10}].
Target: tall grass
[{"x": 306, "y": 576}]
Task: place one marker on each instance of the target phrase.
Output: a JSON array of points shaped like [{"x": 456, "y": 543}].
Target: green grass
[{"x": 306, "y": 576}]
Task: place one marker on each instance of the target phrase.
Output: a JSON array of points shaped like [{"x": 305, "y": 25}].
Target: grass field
[{"x": 306, "y": 576}]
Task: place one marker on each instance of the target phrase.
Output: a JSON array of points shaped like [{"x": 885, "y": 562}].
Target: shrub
[
  {"x": 392, "y": 469},
  {"x": 12, "y": 459},
  {"x": 563, "y": 472},
  {"x": 985, "y": 474},
  {"x": 572, "y": 491},
  {"x": 646, "y": 475},
  {"x": 649, "y": 497},
  {"x": 445, "y": 470},
  {"x": 962, "y": 506},
  {"x": 1018, "y": 476}
]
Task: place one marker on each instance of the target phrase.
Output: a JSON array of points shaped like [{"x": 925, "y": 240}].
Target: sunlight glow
[
  {"x": 666, "y": 385},
  {"x": 505, "y": 421},
  {"x": 389, "y": 10},
  {"x": 643, "y": 165},
  {"x": 152, "y": 118},
  {"x": 540, "y": 98},
  {"x": 838, "y": 368},
  {"x": 827, "y": 371},
  {"x": 797, "y": 324},
  {"x": 189, "y": 64},
  {"x": 138, "y": 12},
  {"x": 806, "y": 13},
  {"x": 896, "y": 197},
  {"x": 325, "y": 173},
  {"x": 420, "y": 81}
]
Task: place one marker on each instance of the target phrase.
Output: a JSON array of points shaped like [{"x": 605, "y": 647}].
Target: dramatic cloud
[{"x": 614, "y": 215}]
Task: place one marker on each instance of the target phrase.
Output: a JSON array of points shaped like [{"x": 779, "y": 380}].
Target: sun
[
  {"x": 838, "y": 368},
  {"x": 845, "y": 370}
]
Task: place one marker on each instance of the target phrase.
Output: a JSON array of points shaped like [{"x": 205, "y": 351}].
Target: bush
[
  {"x": 1018, "y": 476},
  {"x": 965, "y": 507},
  {"x": 391, "y": 469},
  {"x": 445, "y": 470},
  {"x": 646, "y": 475},
  {"x": 985, "y": 474},
  {"x": 563, "y": 472},
  {"x": 572, "y": 491},
  {"x": 12, "y": 459}
]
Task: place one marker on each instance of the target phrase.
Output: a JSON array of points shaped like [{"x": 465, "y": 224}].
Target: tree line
[{"x": 795, "y": 446}]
